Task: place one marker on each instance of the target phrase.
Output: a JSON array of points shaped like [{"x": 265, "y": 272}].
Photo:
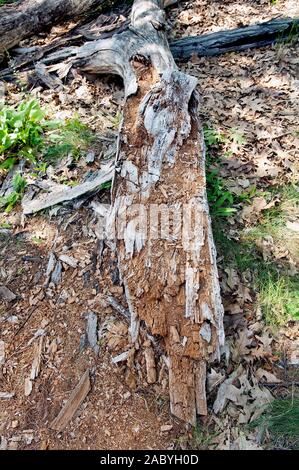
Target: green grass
[
  {"x": 73, "y": 138},
  {"x": 278, "y": 296},
  {"x": 200, "y": 439},
  {"x": 291, "y": 38},
  {"x": 281, "y": 422},
  {"x": 278, "y": 292},
  {"x": 220, "y": 198},
  {"x": 273, "y": 221}
]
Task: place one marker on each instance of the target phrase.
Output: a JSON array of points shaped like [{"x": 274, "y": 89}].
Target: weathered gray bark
[
  {"x": 27, "y": 17},
  {"x": 170, "y": 277},
  {"x": 211, "y": 44}
]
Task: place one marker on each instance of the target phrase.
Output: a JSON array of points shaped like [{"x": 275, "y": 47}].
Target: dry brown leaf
[
  {"x": 242, "y": 344},
  {"x": 262, "y": 374},
  {"x": 214, "y": 379},
  {"x": 232, "y": 279}
]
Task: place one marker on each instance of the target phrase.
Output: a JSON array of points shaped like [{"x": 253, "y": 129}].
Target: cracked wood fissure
[{"x": 170, "y": 279}]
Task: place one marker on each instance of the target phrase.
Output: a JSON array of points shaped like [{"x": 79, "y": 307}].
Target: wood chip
[
  {"x": 166, "y": 427},
  {"x": 69, "y": 260},
  {"x": 7, "y": 294},
  {"x": 28, "y": 387},
  {"x": 37, "y": 358},
  {"x": 150, "y": 365},
  {"x": 6, "y": 395},
  {"x": 91, "y": 331},
  {"x": 2, "y": 352},
  {"x": 121, "y": 357},
  {"x": 74, "y": 402}
]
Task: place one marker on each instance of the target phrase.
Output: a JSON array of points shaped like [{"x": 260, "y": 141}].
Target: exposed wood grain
[
  {"x": 170, "y": 279},
  {"x": 74, "y": 402}
]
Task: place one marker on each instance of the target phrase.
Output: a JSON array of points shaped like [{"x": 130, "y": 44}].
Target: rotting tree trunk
[
  {"x": 21, "y": 20},
  {"x": 169, "y": 268}
]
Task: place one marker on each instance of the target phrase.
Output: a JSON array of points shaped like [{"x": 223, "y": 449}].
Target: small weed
[
  {"x": 220, "y": 198},
  {"x": 213, "y": 137},
  {"x": 201, "y": 439},
  {"x": 20, "y": 271},
  {"x": 278, "y": 297},
  {"x": 248, "y": 194},
  {"x": 19, "y": 185},
  {"x": 6, "y": 225},
  {"x": 37, "y": 240},
  {"x": 236, "y": 137},
  {"x": 40, "y": 167},
  {"x": 106, "y": 185},
  {"x": 278, "y": 293},
  {"x": 5, "y": 2},
  {"x": 274, "y": 221},
  {"x": 287, "y": 38},
  {"x": 73, "y": 139},
  {"x": 116, "y": 120}
]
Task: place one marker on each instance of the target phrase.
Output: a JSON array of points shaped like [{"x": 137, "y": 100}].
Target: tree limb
[
  {"x": 234, "y": 40},
  {"x": 21, "y": 20}
]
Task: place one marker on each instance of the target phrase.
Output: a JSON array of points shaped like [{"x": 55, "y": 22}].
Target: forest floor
[{"x": 54, "y": 270}]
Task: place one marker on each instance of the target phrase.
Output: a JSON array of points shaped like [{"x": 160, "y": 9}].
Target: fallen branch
[
  {"x": 235, "y": 40},
  {"x": 212, "y": 44},
  {"x": 21, "y": 20},
  {"x": 46, "y": 200}
]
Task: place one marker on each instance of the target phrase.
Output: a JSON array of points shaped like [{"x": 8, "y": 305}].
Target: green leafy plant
[
  {"x": 116, "y": 120},
  {"x": 219, "y": 197},
  {"x": 20, "y": 132},
  {"x": 5, "y": 2},
  {"x": 8, "y": 202},
  {"x": 213, "y": 137},
  {"x": 106, "y": 185}
]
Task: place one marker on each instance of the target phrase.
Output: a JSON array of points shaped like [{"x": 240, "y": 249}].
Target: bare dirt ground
[{"x": 250, "y": 100}]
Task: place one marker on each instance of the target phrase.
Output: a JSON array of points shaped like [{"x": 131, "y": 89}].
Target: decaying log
[
  {"x": 169, "y": 267},
  {"x": 27, "y": 17},
  {"x": 234, "y": 40},
  {"x": 212, "y": 44}
]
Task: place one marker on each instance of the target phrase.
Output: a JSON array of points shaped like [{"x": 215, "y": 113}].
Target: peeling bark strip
[{"x": 171, "y": 280}]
